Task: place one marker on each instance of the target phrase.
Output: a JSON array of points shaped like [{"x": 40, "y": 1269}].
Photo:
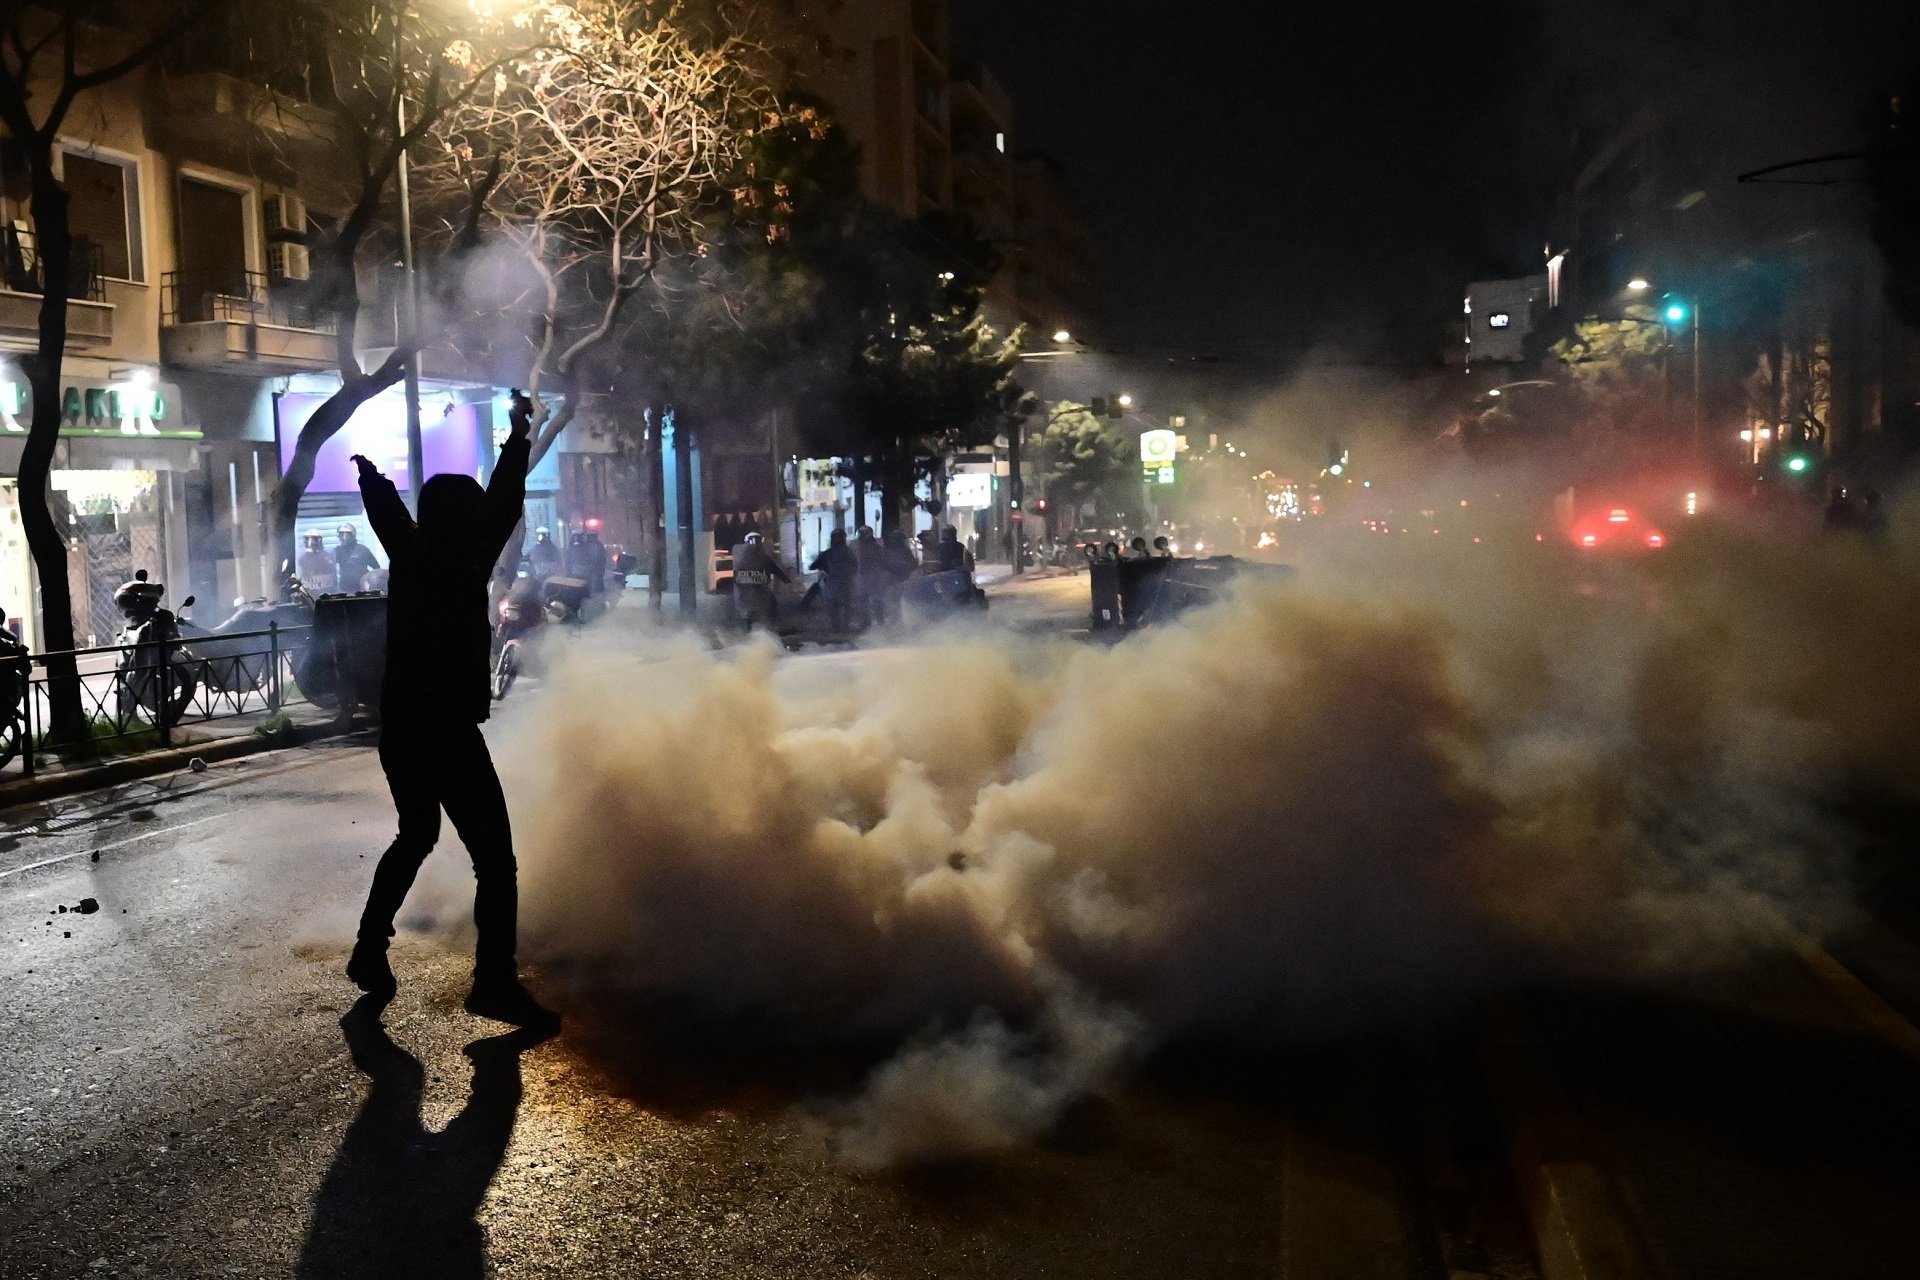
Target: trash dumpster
[
  {"x": 1130, "y": 594},
  {"x": 347, "y": 656}
]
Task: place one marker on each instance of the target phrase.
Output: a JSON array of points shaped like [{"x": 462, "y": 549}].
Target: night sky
[{"x": 1260, "y": 179}]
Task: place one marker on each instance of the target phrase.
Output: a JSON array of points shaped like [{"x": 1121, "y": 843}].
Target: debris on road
[
  {"x": 197, "y": 765},
  {"x": 88, "y": 906}
]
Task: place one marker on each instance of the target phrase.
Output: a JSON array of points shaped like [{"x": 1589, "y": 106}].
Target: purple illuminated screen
[{"x": 379, "y": 430}]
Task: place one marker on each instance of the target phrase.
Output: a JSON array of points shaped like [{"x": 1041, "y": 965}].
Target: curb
[{"x": 149, "y": 763}]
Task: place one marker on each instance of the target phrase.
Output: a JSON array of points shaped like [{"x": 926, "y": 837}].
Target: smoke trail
[{"x": 1018, "y": 863}]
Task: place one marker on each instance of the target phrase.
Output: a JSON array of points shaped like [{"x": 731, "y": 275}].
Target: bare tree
[
  {"x": 48, "y": 59},
  {"x": 390, "y": 76},
  {"x": 612, "y": 140}
]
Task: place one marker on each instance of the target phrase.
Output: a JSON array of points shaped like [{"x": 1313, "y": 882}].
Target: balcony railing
[
  {"x": 22, "y": 269},
  {"x": 192, "y": 297}
]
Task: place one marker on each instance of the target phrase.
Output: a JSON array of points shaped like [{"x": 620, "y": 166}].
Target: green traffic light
[
  {"x": 1797, "y": 463},
  {"x": 1676, "y": 313}
]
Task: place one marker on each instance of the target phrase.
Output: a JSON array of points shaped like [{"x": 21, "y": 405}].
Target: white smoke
[{"x": 1013, "y": 865}]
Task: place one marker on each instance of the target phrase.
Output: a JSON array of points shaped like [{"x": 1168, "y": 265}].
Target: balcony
[
  {"x": 89, "y": 314},
  {"x": 227, "y": 324},
  {"x": 225, "y": 119}
]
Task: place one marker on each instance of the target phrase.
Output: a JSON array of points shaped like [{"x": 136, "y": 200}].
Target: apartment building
[
  {"x": 195, "y": 352},
  {"x": 983, "y": 192},
  {"x": 1053, "y": 256}
]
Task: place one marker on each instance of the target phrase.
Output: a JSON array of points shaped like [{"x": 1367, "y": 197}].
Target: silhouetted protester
[
  {"x": 1840, "y": 514},
  {"x": 1873, "y": 516},
  {"x": 352, "y": 561},
  {"x": 431, "y": 705},
  {"x": 1162, "y": 548},
  {"x": 400, "y": 1201},
  {"x": 1111, "y": 551},
  {"x": 587, "y": 560},
  {"x": 900, "y": 564},
  {"x": 952, "y": 555},
  {"x": 1137, "y": 549},
  {"x": 318, "y": 572},
  {"x": 543, "y": 558},
  {"x": 839, "y": 571},
  {"x": 872, "y": 584},
  {"x": 754, "y": 569}
]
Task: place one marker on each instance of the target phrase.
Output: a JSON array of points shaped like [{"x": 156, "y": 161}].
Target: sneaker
[
  {"x": 368, "y": 970},
  {"x": 505, "y": 1000}
]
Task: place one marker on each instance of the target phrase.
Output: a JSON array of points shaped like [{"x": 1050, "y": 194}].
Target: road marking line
[
  {"x": 1855, "y": 995},
  {"x": 102, "y": 848}
]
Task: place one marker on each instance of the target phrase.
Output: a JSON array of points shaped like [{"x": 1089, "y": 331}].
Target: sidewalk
[{"x": 205, "y": 740}]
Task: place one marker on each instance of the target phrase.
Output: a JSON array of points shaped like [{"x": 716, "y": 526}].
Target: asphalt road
[{"x": 186, "y": 1089}]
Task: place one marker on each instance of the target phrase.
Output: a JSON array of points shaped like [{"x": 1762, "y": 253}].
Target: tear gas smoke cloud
[{"x": 1019, "y": 864}]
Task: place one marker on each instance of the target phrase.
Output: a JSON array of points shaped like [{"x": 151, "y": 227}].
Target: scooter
[
  {"x": 13, "y": 694},
  {"x": 556, "y": 600},
  {"x": 230, "y": 657}
]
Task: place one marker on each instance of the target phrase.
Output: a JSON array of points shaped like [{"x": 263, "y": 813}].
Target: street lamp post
[
  {"x": 409, "y": 295},
  {"x": 1016, "y": 487}
]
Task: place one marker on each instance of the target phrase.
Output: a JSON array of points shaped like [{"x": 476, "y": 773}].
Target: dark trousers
[{"x": 447, "y": 767}]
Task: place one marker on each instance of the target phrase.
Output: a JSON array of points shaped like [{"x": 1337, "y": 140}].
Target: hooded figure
[
  {"x": 839, "y": 571},
  {"x": 432, "y": 702}
]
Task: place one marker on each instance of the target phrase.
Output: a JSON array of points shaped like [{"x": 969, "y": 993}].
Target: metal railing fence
[{"x": 155, "y": 689}]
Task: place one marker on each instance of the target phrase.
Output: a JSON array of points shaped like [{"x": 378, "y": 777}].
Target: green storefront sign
[{"x": 98, "y": 409}]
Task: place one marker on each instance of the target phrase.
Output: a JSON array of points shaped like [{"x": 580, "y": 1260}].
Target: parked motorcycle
[
  {"x": 13, "y": 695},
  {"x": 166, "y": 654}
]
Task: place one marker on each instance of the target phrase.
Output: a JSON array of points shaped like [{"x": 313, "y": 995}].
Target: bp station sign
[{"x": 1158, "y": 451}]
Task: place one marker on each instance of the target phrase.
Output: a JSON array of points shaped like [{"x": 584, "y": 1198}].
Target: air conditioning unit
[
  {"x": 286, "y": 212},
  {"x": 287, "y": 262}
]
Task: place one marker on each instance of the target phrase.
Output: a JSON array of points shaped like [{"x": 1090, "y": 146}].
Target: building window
[
  {"x": 1000, "y": 143},
  {"x": 104, "y": 196},
  {"x": 1499, "y": 320}
]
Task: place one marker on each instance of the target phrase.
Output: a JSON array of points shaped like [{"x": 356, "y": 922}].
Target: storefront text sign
[{"x": 97, "y": 409}]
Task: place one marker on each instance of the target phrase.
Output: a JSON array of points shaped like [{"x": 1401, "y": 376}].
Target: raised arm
[
  {"x": 507, "y": 487},
  {"x": 385, "y": 511}
]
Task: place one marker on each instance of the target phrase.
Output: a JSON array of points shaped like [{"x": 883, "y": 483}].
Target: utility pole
[
  {"x": 1017, "y": 494},
  {"x": 409, "y": 319}
]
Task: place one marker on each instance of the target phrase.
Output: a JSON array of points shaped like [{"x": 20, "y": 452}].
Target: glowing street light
[
  {"x": 1126, "y": 401},
  {"x": 1061, "y": 335},
  {"x": 1638, "y": 284}
]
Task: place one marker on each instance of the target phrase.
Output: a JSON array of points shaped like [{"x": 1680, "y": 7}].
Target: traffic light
[
  {"x": 1040, "y": 504},
  {"x": 1798, "y": 463},
  {"x": 1675, "y": 312}
]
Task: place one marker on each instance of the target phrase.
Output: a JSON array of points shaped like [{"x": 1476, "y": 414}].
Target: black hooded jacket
[{"x": 438, "y": 634}]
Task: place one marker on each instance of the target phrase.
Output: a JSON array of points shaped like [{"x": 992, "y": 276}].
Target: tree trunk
[
  {"x": 896, "y": 484},
  {"x": 67, "y": 718},
  {"x": 321, "y": 426},
  {"x": 859, "y": 493}
]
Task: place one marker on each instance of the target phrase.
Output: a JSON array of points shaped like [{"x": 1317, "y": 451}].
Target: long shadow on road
[{"x": 400, "y": 1201}]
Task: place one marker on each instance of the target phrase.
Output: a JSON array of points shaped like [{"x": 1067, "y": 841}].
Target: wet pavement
[
  {"x": 187, "y": 1090},
  {"x": 179, "y": 1096}
]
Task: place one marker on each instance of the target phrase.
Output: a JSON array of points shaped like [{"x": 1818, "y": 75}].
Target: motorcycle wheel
[
  {"x": 505, "y": 668},
  {"x": 142, "y": 687}
]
